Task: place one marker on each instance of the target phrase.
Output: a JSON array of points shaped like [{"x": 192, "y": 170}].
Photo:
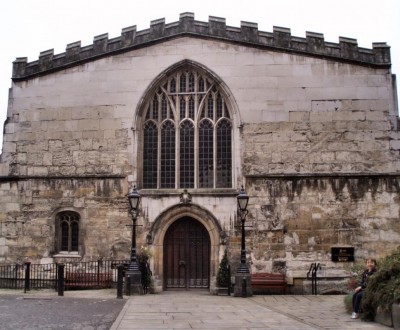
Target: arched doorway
[{"x": 187, "y": 255}]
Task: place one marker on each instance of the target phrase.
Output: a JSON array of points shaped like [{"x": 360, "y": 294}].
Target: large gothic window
[{"x": 187, "y": 134}]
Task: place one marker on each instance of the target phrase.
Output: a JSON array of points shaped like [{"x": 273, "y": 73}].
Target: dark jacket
[{"x": 364, "y": 277}]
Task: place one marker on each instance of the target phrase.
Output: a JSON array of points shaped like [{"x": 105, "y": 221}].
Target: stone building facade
[{"x": 188, "y": 112}]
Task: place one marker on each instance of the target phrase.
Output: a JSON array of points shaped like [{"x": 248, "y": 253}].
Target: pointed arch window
[
  {"x": 187, "y": 134},
  {"x": 67, "y": 232}
]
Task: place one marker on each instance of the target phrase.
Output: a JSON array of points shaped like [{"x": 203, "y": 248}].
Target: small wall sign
[{"x": 343, "y": 254}]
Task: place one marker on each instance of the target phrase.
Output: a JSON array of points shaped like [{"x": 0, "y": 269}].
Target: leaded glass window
[
  {"x": 163, "y": 108},
  {"x": 182, "y": 107},
  {"x": 187, "y": 134},
  {"x": 206, "y": 154},
  {"x": 150, "y": 155},
  {"x": 186, "y": 152},
  {"x": 168, "y": 160},
  {"x": 68, "y": 232},
  {"x": 224, "y": 153}
]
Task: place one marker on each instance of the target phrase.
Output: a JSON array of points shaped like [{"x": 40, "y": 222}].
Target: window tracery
[
  {"x": 187, "y": 134},
  {"x": 68, "y": 232}
]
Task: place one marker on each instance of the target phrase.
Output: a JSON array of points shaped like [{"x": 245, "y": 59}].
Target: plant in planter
[
  {"x": 383, "y": 288},
  {"x": 143, "y": 257},
  {"x": 224, "y": 275}
]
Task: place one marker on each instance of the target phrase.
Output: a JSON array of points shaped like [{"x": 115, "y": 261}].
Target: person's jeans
[{"x": 357, "y": 301}]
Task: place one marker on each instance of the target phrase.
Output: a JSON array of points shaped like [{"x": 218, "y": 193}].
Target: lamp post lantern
[
  {"x": 243, "y": 277},
  {"x": 133, "y": 272}
]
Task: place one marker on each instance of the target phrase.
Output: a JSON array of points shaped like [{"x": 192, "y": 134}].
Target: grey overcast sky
[{"x": 31, "y": 26}]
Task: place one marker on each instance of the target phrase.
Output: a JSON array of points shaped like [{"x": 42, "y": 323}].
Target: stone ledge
[{"x": 8, "y": 178}]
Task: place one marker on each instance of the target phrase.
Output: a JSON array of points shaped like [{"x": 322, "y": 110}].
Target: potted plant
[
  {"x": 224, "y": 276},
  {"x": 143, "y": 258}
]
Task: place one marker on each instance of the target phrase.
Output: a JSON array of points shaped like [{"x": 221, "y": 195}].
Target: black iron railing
[
  {"x": 314, "y": 267},
  {"x": 12, "y": 276},
  {"x": 76, "y": 275}
]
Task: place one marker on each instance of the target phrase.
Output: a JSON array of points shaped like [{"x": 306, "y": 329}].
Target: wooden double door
[{"x": 187, "y": 255}]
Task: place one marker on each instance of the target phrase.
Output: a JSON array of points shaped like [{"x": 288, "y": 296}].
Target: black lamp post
[
  {"x": 133, "y": 271},
  {"x": 134, "y": 200},
  {"x": 242, "y": 200},
  {"x": 243, "y": 277}
]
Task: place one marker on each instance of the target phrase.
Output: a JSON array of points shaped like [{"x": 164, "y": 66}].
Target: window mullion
[
  {"x": 69, "y": 237},
  {"x": 159, "y": 151},
  {"x": 196, "y": 156},
  {"x": 215, "y": 156},
  {"x": 196, "y": 133},
  {"x": 177, "y": 154}
]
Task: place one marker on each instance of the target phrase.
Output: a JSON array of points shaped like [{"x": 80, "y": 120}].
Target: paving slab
[{"x": 200, "y": 310}]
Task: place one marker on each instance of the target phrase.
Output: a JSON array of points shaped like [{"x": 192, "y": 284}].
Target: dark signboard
[{"x": 342, "y": 254}]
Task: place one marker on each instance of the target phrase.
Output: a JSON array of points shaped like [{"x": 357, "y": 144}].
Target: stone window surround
[
  {"x": 145, "y": 105},
  {"x": 58, "y": 232}
]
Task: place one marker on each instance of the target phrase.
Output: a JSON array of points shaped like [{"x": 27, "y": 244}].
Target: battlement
[{"x": 248, "y": 34}]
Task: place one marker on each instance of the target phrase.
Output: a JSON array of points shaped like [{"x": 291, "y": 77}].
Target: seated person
[{"x": 359, "y": 291}]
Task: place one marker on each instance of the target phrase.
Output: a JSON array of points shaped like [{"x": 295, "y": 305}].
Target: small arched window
[
  {"x": 68, "y": 232},
  {"x": 187, "y": 134}
]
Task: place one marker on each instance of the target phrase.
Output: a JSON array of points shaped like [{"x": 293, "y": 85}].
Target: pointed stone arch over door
[{"x": 187, "y": 255}]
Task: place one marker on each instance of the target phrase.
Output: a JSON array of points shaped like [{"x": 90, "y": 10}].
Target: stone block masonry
[{"x": 310, "y": 128}]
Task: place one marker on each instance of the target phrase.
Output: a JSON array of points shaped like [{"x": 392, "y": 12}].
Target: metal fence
[
  {"x": 77, "y": 275},
  {"x": 12, "y": 276}
]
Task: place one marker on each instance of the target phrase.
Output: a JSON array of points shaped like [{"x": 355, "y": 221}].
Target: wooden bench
[
  {"x": 266, "y": 283},
  {"x": 88, "y": 280}
]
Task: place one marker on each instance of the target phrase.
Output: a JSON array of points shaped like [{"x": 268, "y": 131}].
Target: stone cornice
[
  {"x": 9, "y": 178},
  {"x": 322, "y": 175},
  {"x": 280, "y": 39}
]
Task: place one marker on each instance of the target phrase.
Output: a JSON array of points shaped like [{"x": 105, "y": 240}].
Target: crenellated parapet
[{"x": 248, "y": 34}]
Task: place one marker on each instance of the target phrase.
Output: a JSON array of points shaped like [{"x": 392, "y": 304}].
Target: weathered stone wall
[
  {"x": 28, "y": 229},
  {"x": 27, "y": 225},
  {"x": 342, "y": 136},
  {"x": 295, "y": 221},
  {"x": 304, "y": 217},
  {"x": 81, "y": 124},
  {"x": 315, "y": 142}
]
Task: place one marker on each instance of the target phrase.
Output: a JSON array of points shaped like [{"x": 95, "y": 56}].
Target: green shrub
[
  {"x": 224, "y": 274},
  {"x": 383, "y": 287},
  {"x": 348, "y": 302}
]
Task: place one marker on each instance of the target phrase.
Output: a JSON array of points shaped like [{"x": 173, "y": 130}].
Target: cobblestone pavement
[
  {"x": 99, "y": 309},
  {"x": 77, "y": 310}
]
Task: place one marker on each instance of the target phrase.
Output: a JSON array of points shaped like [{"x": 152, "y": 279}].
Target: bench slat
[
  {"x": 80, "y": 279},
  {"x": 266, "y": 282}
]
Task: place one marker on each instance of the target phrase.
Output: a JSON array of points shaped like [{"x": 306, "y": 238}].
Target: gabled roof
[{"x": 280, "y": 39}]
